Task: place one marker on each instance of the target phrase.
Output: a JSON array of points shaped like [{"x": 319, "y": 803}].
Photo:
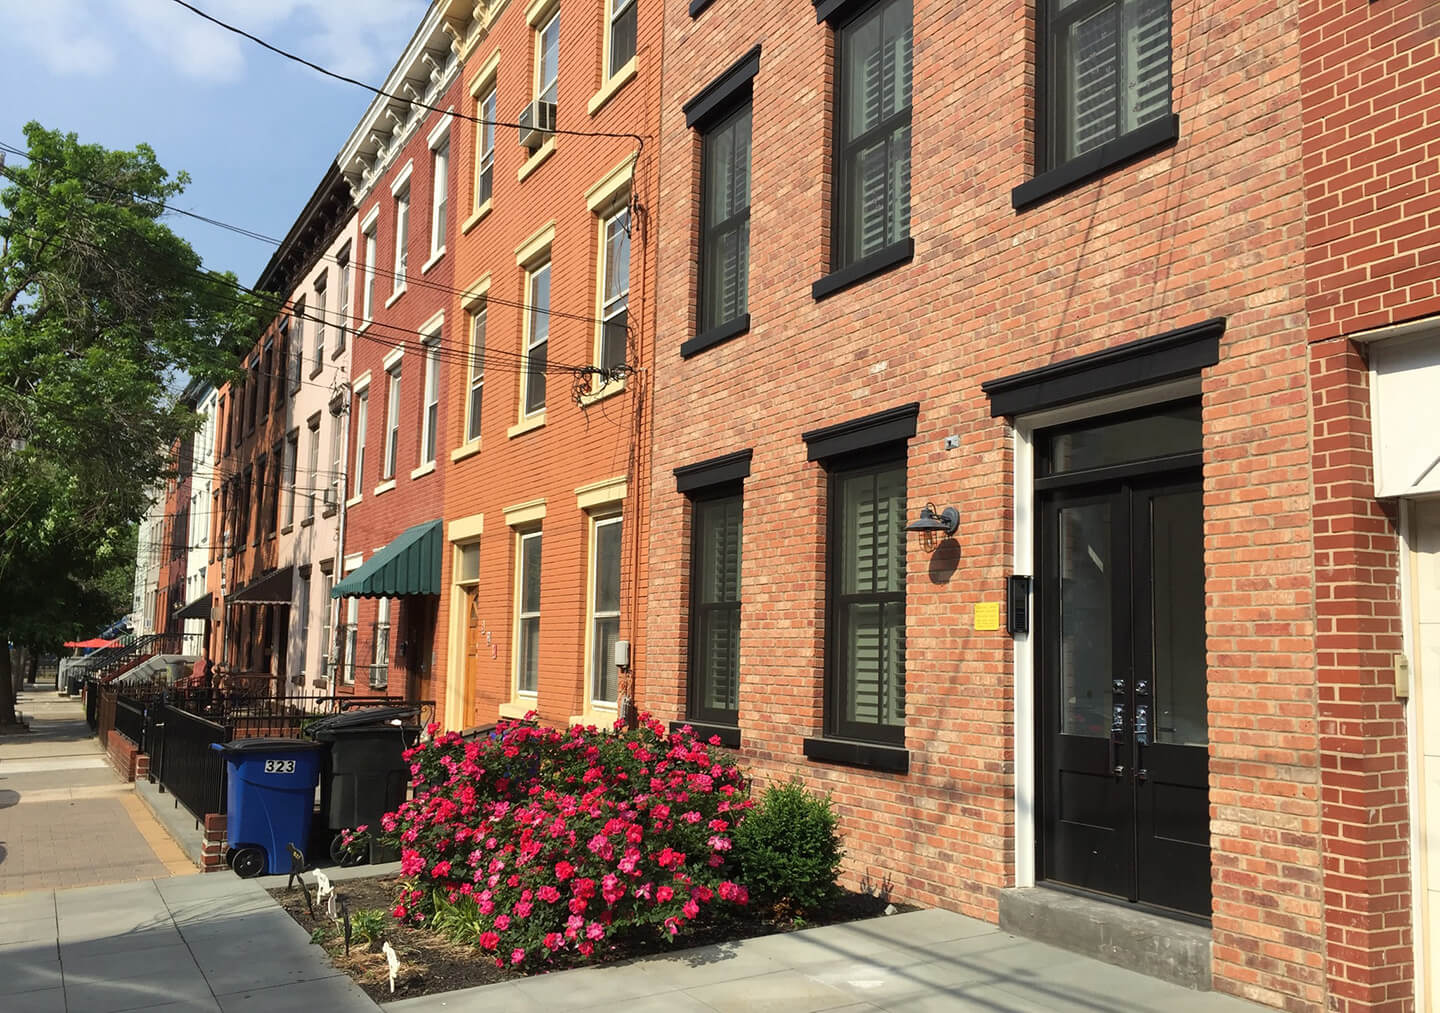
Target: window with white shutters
[
  {"x": 725, "y": 237},
  {"x": 715, "y": 608},
  {"x": 1110, "y": 71},
  {"x": 872, "y": 197},
  {"x": 866, "y": 607}
]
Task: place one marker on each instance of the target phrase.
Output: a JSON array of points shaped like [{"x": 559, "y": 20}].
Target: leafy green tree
[{"x": 103, "y": 312}]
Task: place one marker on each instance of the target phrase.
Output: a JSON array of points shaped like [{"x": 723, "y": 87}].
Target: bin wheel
[
  {"x": 249, "y": 862},
  {"x": 341, "y": 857},
  {"x": 230, "y": 858}
]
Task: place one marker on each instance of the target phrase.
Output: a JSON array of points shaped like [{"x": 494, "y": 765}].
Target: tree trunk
[
  {"x": 33, "y": 656},
  {"x": 7, "y": 685}
]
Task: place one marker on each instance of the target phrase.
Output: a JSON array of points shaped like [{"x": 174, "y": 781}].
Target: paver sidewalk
[
  {"x": 66, "y": 818},
  {"x": 194, "y": 943}
]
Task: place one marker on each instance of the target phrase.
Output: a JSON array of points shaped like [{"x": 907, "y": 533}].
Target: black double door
[{"x": 1122, "y": 715}]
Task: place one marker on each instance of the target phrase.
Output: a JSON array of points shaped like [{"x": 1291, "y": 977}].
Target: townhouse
[
  {"x": 544, "y": 561},
  {"x": 983, "y": 455},
  {"x": 194, "y": 610},
  {"x": 275, "y": 509},
  {"x": 397, "y": 163}
]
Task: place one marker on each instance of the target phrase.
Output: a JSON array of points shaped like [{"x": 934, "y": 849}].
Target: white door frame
[{"x": 1027, "y": 818}]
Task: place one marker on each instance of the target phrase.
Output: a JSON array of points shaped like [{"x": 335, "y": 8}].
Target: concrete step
[{"x": 1147, "y": 943}]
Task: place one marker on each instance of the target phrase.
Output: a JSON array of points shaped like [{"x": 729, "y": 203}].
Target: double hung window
[
  {"x": 327, "y": 647},
  {"x": 342, "y": 301},
  {"x": 312, "y": 472},
  {"x": 527, "y": 638},
  {"x": 300, "y": 635},
  {"x": 362, "y": 411},
  {"x": 622, "y": 34},
  {"x": 392, "y": 424},
  {"x": 292, "y": 456},
  {"x": 725, "y": 222},
  {"x": 547, "y": 61},
  {"x": 1108, "y": 66},
  {"x": 402, "y": 238},
  {"x": 352, "y": 637},
  {"x": 604, "y": 609},
  {"x": 476, "y": 394},
  {"x": 872, "y": 183},
  {"x": 430, "y": 420},
  {"x": 367, "y": 295},
  {"x": 440, "y": 195},
  {"x": 319, "y": 303},
  {"x": 380, "y": 667},
  {"x": 537, "y": 341},
  {"x": 615, "y": 290},
  {"x": 485, "y": 149}
]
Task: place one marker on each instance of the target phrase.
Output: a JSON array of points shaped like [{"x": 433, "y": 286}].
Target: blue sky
[{"x": 255, "y": 132}]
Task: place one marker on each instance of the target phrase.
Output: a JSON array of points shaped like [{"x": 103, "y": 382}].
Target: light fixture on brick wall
[{"x": 931, "y": 523}]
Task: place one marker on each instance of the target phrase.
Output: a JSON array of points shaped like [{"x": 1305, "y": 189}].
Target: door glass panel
[
  {"x": 1085, "y": 619},
  {"x": 1098, "y": 444},
  {"x": 1177, "y": 581}
]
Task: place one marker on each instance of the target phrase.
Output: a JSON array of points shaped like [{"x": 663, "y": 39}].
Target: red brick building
[
  {"x": 1370, "y": 99},
  {"x": 406, "y": 353},
  {"x": 1059, "y": 267}
]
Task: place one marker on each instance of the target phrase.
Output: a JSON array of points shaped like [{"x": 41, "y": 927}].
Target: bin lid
[
  {"x": 366, "y": 718},
  {"x": 266, "y": 746}
]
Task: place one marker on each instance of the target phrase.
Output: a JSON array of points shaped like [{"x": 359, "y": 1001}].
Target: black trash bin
[{"x": 363, "y": 773}]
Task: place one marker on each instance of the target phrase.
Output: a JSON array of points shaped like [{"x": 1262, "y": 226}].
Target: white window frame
[
  {"x": 313, "y": 471},
  {"x": 362, "y": 419},
  {"x": 475, "y": 372},
  {"x": 392, "y": 422},
  {"x": 430, "y": 402},
  {"x": 319, "y": 301},
  {"x": 485, "y": 146},
  {"x": 521, "y": 615},
  {"x": 616, "y": 8},
  {"x": 439, "y": 190},
  {"x": 302, "y": 597},
  {"x": 352, "y": 639},
  {"x": 533, "y": 317},
  {"x": 402, "y": 239},
  {"x": 380, "y": 644},
  {"x": 371, "y": 231},
  {"x": 327, "y": 629},
  {"x": 550, "y": 87},
  {"x": 594, "y": 615},
  {"x": 342, "y": 298},
  {"x": 611, "y": 307},
  {"x": 292, "y": 463}
]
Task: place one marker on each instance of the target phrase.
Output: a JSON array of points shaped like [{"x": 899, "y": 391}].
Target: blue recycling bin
[{"x": 270, "y": 801}]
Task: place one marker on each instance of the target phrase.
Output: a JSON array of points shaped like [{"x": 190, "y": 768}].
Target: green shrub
[
  {"x": 368, "y": 926},
  {"x": 788, "y": 849}
]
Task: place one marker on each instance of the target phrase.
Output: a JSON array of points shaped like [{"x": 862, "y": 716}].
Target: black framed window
[
  {"x": 725, "y": 220},
  {"x": 872, "y": 179},
  {"x": 1108, "y": 68},
  {"x": 715, "y": 549},
  {"x": 865, "y": 607}
]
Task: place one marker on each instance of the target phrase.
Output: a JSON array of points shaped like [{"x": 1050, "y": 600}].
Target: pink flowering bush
[{"x": 542, "y": 845}]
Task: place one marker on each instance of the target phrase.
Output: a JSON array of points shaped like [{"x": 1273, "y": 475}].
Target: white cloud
[{"x": 360, "y": 38}]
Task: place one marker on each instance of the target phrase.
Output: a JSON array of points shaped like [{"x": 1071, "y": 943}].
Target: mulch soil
[{"x": 429, "y": 963}]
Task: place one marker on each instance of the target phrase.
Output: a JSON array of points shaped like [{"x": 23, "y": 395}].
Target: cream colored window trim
[
  {"x": 467, "y": 529},
  {"x": 384, "y": 487},
  {"x": 537, "y": 247},
  {"x": 435, "y": 258},
  {"x": 525, "y": 425},
  {"x": 465, "y": 450},
  {"x": 430, "y": 329},
  {"x": 539, "y": 12},
  {"x": 609, "y": 88},
  {"x": 355, "y": 500},
  {"x": 489, "y": 70},
  {"x": 536, "y": 160},
  {"x": 423, "y": 470},
  {"x": 608, "y": 390},
  {"x": 403, "y": 179},
  {"x": 362, "y": 383},
  {"x": 515, "y": 709},
  {"x": 353, "y": 560},
  {"x": 441, "y": 133},
  {"x": 474, "y": 219},
  {"x": 393, "y": 357},
  {"x": 604, "y": 196},
  {"x": 522, "y": 514},
  {"x": 475, "y": 294},
  {"x": 395, "y": 296},
  {"x": 602, "y": 493}
]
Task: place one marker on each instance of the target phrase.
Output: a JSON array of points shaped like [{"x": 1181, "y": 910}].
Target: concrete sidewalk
[
  {"x": 197, "y": 943},
  {"x": 66, "y": 818},
  {"x": 919, "y": 962}
]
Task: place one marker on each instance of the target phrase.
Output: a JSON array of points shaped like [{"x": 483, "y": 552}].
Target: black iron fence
[
  {"x": 130, "y": 719},
  {"x": 92, "y": 703},
  {"x": 187, "y": 767}
]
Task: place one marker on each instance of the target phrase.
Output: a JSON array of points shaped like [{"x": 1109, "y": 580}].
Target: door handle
[
  {"x": 1142, "y": 739},
  {"x": 1117, "y": 738}
]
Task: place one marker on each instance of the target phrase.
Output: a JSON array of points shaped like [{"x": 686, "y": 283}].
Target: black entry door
[{"x": 1122, "y": 683}]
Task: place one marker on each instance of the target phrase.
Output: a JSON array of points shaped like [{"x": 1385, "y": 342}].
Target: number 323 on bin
[{"x": 279, "y": 766}]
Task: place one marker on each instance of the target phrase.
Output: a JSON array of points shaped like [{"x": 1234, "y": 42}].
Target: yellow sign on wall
[{"x": 987, "y": 615}]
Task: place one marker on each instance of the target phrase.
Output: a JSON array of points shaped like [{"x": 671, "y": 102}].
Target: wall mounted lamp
[{"x": 929, "y": 522}]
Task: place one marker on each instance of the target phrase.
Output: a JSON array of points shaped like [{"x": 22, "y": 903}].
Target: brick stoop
[{"x": 214, "y": 843}]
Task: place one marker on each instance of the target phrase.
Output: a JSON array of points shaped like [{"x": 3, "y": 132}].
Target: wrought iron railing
[
  {"x": 188, "y": 768},
  {"x": 130, "y": 719}
]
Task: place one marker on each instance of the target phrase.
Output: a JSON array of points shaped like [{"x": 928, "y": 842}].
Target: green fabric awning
[{"x": 408, "y": 565}]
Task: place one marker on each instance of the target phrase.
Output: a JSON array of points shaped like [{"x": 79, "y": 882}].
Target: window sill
[
  {"x": 306, "y": 522},
  {"x": 609, "y": 88},
  {"x": 600, "y": 714},
  {"x": 465, "y": 450},
  {"x": 384, "y": 487},
  {"x": 288, "y": 528},
  {"x": 537, "y": 159},
  {"x": 516, "y": 709},
  {"x": 435, "y": 258},
  {"x": 423, "y": 470},
  {"x": 315, "y": 369},
  {"x": 697, "y": 7},
  {"x": 474, "y": 219},
  {"x": 1110, "y": 155},
  {"x": 717, "y": 335},
  {"x": 394, "y": 297},
  {"x": 526, "y": 425},
  {"x": 894, "y": 759},
  {"x": 729, "y": 735},
  {"x": 867, "y": 267},
  {"x": 364, "y": 326},
  {"x": 354, "y": 501},
  {"x": 599, "y": 394},
  {"x": 271, "y": 537},
  {"x": 328, "y": 512},
  {"x": 339, "y": 348}
]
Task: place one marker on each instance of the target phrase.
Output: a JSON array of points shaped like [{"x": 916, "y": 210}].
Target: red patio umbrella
[{"x": 92, "y": 642}]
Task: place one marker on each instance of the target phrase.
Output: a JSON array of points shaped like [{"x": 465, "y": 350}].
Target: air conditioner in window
[{"x": 537, "y": 123}]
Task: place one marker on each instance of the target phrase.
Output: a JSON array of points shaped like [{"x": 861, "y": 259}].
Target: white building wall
[{"x": 202, "y": 485}]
